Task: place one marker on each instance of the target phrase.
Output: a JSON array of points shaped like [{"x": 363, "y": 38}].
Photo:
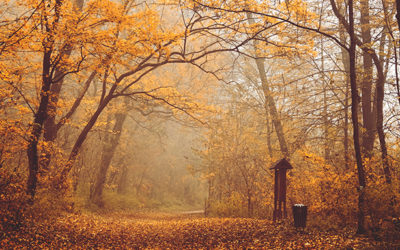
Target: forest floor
[{"x": 176, "y": 231}]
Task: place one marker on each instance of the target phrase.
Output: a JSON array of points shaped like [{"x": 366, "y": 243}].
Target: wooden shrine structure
[{"x": 280, "y": 168}]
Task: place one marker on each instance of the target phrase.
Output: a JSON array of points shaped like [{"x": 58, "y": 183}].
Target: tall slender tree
[{"x": 354, "y": 115}]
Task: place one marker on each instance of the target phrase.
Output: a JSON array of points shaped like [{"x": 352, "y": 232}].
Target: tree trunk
[
  {"x": 269, "y": 132},
  {"x": 123, "y": 180},
  {"x": 51, "y": 128},
  {"x": 398, "y": 12},
  {"x": 249, "y": 204},
  {"x": 346, "y": 60},
  {"x": 272, "y": 108},
  {"x": 41, "y": 114},
  {"x": 82, "y": 136},
  {"x": 368, "y": 114},
  {"x": 50, "y": 125},
  {"x": 327, "y": 145},
  {"x": 346, "y": 126},
  {"x": 269, "y": 99},
  {"x": 40, "y": 117},
  {"x": 354, "y": 114},
  {"x": 380, "y": 84},
  {"x": 380, "y": 94},
  {"x": 107, "y": 155},
  {"x": 398, "y": 24}
]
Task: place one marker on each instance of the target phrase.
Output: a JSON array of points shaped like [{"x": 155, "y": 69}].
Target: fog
[{"x": 179, "y": 106}]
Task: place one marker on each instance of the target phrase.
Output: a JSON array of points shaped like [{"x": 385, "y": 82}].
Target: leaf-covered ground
[{"x": 159, "y": 231}]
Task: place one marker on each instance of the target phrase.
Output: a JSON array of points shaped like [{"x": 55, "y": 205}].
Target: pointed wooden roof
[{"x": 281, "y": 164}]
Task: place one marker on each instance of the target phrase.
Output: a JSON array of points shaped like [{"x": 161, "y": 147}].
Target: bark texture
[{"x": 368, "y": 111}]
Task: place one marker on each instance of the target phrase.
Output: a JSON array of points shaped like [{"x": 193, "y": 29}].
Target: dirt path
[{"x": 193, "y": 212}]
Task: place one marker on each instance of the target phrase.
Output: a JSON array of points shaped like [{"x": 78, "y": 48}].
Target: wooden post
[{"x": 280, "y": 168}]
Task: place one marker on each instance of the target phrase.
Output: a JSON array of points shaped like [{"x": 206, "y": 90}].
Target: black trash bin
[{"x": 300, "y": 215}]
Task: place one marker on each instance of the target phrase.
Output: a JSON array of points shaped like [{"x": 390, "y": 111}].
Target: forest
[{"x": 155, "y": 123}]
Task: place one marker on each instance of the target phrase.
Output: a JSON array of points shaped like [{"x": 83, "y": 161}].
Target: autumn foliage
[{"x": 127, "y": 106}]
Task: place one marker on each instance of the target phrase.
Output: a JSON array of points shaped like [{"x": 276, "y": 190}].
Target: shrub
[
  {"x": 13, "y": 201},
  {"x": 231, "y": 206}
]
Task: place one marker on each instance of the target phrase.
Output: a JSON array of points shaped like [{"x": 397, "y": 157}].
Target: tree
[
  {"x": 368, "y": 105},
  {"x": 233, "y": 160},
  {"x": 303, "y": 24},
  {"x": 51, "y": 127},
  {"x": 165, "y": 47},
  {"x": 109, "y": 147},
  {"x": 354, "y": 115},
  {"x": 270, "y": 103},
  {"x": 40, "y": 116},
  {"x": 379, "y": 92},
  {"x": 398, "y": 12},
  {"x": 111, "y": 42}
]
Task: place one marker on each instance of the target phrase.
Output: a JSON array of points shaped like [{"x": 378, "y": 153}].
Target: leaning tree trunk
[
  {"x": 82, "y": 137},
  {"x": 380, "y": 88},
  {"x": 272, "y": 108},
  {"x": 269, "y": 132},
  {"x": 269, "y": 99},
  {"x": 108, "y": 152}
]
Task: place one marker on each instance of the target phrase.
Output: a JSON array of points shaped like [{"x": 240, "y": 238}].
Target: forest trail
[
  {"x": 175, "y": 231},
  {"x": 193, "y": 212}
]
